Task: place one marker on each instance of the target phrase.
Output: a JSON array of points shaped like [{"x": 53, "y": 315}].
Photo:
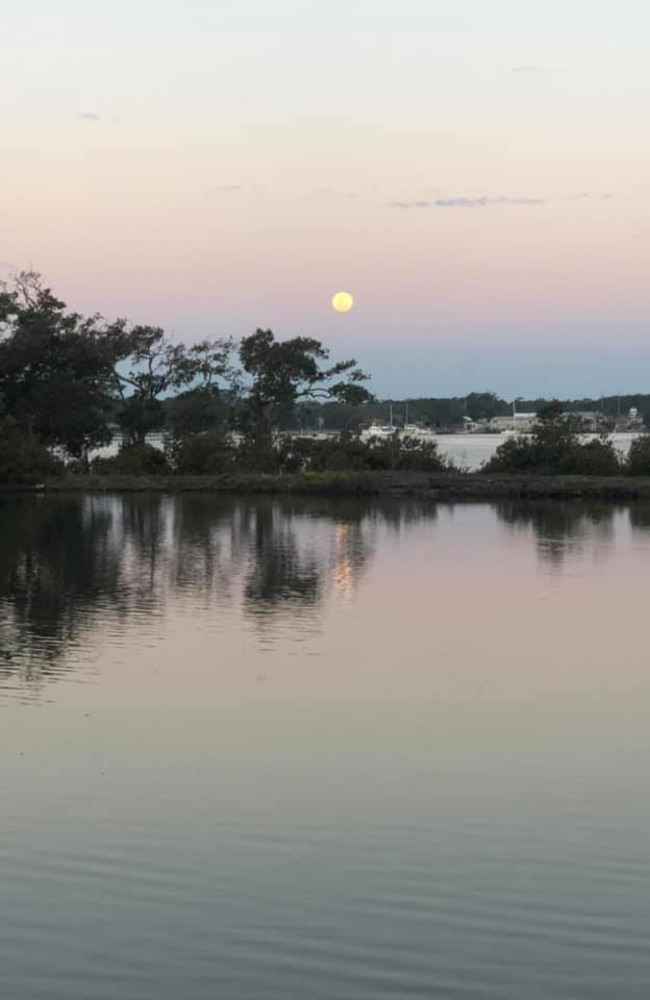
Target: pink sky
[{"x": 477, "y": 180}]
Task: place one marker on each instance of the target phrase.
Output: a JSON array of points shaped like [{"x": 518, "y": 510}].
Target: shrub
[
  {"x": 516, "y": 454},
  {"x": 347, "y": 452},
  {"x": 526, "y": 454},
  {"x": 555, "y": 447},
  {"x": 24, "y": 461},
  {"x": 133, "y": 460},
  {"x": 638, "y": 457},
  {"x": 206, "y": 454},
  {"x": 595, "y": 458}
]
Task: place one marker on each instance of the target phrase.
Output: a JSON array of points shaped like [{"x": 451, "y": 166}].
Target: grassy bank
[{"x": 434, "y": 486}]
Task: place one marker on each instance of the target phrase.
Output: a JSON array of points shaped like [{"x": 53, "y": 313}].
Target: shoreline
[{"x": 432, "y": 486}]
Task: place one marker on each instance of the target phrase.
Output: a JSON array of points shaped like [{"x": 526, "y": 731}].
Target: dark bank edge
[{"x": 434, "y": 486}]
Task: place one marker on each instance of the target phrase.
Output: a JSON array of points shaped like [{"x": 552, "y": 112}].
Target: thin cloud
[
  {"x": 483, "y": 202},
  {"x": 89, "y": 116},
  {"x": 332, "y": 193},
  {"x": 525, "y": 70},
  {"x": 237, "y": 188},
  {"x": 585, "y": 196}
]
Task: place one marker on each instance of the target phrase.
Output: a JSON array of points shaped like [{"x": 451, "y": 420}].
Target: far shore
[{"x": 432, "y": 486}]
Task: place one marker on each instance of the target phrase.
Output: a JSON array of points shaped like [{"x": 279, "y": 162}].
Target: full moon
[{"x": 342, "y": 302}]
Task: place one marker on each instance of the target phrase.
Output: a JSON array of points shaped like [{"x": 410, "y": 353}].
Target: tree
[
  {"x": 484, "y": 405},
  {"x": 282, "y": 373},
  {"x": 197, "y": 441},
  {"x": 147, "y": 366},
  {"x": 197, "y": 411},
  {"x": 54, "y": 372}
]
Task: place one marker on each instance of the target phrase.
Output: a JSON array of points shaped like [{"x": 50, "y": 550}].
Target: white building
[{"x": 518, "y": 422}]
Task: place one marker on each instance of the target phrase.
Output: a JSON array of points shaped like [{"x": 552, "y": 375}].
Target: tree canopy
[
  {"x": 67, "y": 380},
  {"x": 282, "y": 373}
]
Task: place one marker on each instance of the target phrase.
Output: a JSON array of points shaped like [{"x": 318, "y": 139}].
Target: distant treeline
[{"x": 441, "y": 413}]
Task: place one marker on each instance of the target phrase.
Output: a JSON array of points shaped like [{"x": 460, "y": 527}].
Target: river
[{"x": 289, "y": 749}]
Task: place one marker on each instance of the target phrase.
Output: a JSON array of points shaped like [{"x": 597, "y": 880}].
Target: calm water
[{"x": 285, "y": 750}]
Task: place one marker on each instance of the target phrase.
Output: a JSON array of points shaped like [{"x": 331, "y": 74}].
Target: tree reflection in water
[
  {"x": 72, "y": 564},
  {"x": 562, "y": 528},
  {"x": 640, "y": 518}
]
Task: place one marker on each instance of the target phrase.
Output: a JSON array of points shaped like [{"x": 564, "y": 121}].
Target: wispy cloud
[
  {"x": 89, "y": 116},
  {"x": 530, "y": 70},
  {"x": 237, "y": 188},
  {"x": 332, "y": 193},
  {"x": 585, "y": 197},
  {"x": 457, "y": 202}
]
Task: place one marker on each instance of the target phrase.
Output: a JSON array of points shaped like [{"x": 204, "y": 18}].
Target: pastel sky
[{"x": 475, "y": 172}]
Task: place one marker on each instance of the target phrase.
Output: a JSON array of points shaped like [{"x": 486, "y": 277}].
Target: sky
[{"x": 476, "y": 173}]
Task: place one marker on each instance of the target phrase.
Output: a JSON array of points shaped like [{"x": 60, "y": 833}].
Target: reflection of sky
[
  {"x": 475, "y": 174},
  {"x": 444, "y": 740},
  {"x": 456, "y": 596}
]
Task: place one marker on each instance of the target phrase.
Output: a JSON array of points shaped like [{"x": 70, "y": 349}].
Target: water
[{"x": 285, "y": 749}]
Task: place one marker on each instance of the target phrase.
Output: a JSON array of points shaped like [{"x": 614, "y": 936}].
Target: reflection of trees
[
  {"x": 58, "y": 563},
  {"x": 640, "y": 517},
  {"x": 561, "y": 528},
  {"x": 70, "y": 564},
  {"x": 281, "y": 569}
]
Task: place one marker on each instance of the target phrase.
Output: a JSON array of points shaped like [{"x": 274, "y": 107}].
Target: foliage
[
  {"x": 197, "y": 411},
  {"x": 597, "y": 457},
  {"x": 133, "y": 460},
  {"x": 555, "y": 447},
  {"x": 348, "y": 452},
  {"x": 23, "y": 460},
  {"x": 281, "y": 373},
  {"x": 208, "y": 453},
  {"x": 53, "y": 368},
  {"x": 147, "y": 366},
  {"x": 638, "y": 457}
]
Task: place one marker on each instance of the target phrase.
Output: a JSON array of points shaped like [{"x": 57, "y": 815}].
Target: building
[{"x": 517, "y": 422}]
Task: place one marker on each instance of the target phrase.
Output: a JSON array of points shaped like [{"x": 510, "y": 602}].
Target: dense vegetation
[
  {"x": 555, "y": 447},
  {"x": 68, "y": 383}
]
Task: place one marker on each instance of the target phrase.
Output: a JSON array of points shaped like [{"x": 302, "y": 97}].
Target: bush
[
  {"x": 555, "y": 447},
  {"x": 638, "y": 457},
  {"x": 527, "y": 454},
  {"x": 516, "y": 454},
  {"x": 206, "y": 454},
  {"x": 596, "y": 458},
  {"x": 415, "y": 455},
  {"x": 347, "y": 452},
  {"x": 133, "y": 460},
  {"x": 24, "y": 461}
]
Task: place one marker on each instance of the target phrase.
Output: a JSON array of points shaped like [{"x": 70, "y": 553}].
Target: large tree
[
  {"x": 282, "y": 373},
  {"x": 147, "y": 367},
  {"x": 54, "y": 369},
  {"x": 63, "y": 376}
]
